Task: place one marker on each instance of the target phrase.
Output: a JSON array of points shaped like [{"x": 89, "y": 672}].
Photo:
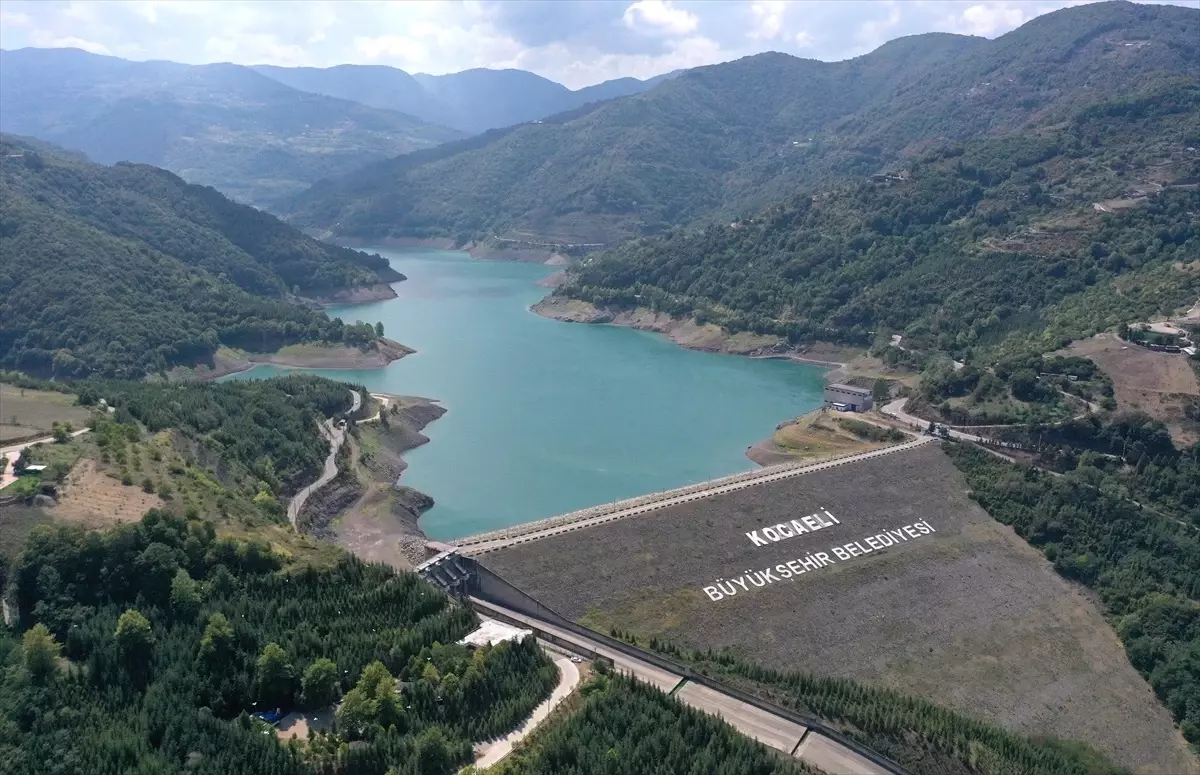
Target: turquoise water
[{"x": 547, "y": 417}]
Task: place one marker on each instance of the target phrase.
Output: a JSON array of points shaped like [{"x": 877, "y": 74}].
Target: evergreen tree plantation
[{"x": 147, "y": 648}]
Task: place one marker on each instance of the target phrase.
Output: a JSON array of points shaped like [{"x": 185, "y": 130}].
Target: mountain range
[
  {"x": 263, "y": 134},
  {"x": 717, "y": 142},
  {"x": 471, "y": 101},
  {"x": 223, "y": 125}
]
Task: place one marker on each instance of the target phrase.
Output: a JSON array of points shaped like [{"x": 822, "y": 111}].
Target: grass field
[
  {"x": 970, "y": 616},
  {"x": 26, "y": 414},
  {"x": 1159, "y": 384}
]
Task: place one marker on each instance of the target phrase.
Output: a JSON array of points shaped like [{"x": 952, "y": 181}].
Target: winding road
[
  {"x": 896, "y": 409},
  {"x": 336, "y": 436},
  {"x": 492, "y": 752}
]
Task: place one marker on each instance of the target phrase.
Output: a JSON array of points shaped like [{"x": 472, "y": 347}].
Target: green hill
[
  {"x": 717, "y": 142},
  {"x": 127, "y": 269},
  {"x": 1049, "y": 236},
  {"x": 223, "y": 125}
]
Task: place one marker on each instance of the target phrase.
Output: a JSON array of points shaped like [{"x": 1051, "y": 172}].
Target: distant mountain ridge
[
  {"x": 224, "y": 125},
  {"x": 472, "y": 101},
  {"x": 720, "y": 141}
]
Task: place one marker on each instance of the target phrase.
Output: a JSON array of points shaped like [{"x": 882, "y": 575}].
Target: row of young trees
[
  {"x": 1144, "y": 565},
  {"x": 146, "y": 647},
  {"x": 625, "y": 727}
]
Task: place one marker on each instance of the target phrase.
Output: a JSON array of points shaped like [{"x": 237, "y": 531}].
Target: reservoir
[{"x": 546, "y": 417}]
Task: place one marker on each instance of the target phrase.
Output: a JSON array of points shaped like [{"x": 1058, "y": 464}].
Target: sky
[{"x": 574, "y": 42}]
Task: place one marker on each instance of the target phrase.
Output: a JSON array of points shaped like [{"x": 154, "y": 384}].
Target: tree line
[
  {"x": 1145, "y": 566},
  {"x": 625, "y": 727}
]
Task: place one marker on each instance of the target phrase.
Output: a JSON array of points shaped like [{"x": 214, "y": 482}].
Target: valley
[{"x": 370, "y": 406}]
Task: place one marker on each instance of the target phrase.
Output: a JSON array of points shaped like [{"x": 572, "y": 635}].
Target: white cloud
[
  {"x": 575, "y": 42},
  {"x": 875, "y": 32},
  {"x": 989, "y": 18},
  {"x": 11, "y": 19},
  {"x": 659, "y": 17},
  {"x": 768, "y": 19}
]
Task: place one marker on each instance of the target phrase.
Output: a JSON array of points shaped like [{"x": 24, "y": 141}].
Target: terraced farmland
[{"x": 967, "y": 615}]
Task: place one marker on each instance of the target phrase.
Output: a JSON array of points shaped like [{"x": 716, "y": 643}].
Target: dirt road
[
  {"x": 336, "y": 436},
  {"x": 896, "y": 409}
]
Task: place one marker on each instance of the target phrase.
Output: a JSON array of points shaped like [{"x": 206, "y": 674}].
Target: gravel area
[{"x": 969, "y": 616}]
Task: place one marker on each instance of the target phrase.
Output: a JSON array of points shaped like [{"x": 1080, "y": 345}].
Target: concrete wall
[{"x": 491, "y": 588}]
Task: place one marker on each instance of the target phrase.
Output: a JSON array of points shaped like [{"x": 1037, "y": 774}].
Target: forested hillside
[
  {"x": 127, "y": 269},
  {"x": 224, "y": 125},
  {"x": 145, "y": 647},
  {"x": 1049, "y": 236},
  {"x": 719, "y": 141}
]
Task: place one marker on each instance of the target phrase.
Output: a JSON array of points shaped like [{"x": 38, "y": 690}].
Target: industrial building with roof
[{"x": 847, "y": 398}]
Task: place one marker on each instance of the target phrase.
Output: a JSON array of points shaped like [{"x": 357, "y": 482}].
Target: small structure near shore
[{"x": 847, "y": 398}]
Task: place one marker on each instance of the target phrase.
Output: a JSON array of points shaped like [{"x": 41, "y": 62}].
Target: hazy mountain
[
  {"x": 725, "y": 139},
  {"x": 127, "y": 269},
  {"x": 472, "y": 101},
  {"x": 222, "y": 125}
]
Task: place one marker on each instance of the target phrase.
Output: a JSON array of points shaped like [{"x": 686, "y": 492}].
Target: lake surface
[{"x": 547, "y": 417}]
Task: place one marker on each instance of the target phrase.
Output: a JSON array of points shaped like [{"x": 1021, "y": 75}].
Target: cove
[{"x": 547, "y": 417}]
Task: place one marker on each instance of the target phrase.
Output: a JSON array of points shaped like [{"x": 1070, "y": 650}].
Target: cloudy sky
[{"x": 575, "y": 42}]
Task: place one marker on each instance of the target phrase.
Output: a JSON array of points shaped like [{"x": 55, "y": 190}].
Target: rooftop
[
  {"x": 849, "y": 389},
  {"x": 491, "y": 632}
]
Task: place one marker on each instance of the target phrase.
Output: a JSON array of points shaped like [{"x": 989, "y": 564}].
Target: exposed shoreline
[
  {"x": 228, "y": 361},
  {"x": 363, "y": 294},
  {"x": 529, "y": 255},
  {"x": 382, "y": 523},
  {"x": 707, "y": 337}
]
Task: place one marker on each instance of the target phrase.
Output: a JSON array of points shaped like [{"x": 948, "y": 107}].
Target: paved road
[
  {"x": 767, "y": 728},
  {"x": 336, "y": 436},
  {"x": 46, "y": 440},
  {"x": 896, "y": 409},
  {"x": 493, "y": 752},
  {"x": 769, "y": 475},
  {"x": 834, "y": 758},
  {"x": 777, "y": 732}
]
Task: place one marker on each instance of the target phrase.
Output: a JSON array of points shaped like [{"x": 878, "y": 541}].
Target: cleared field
[
  {"x": 26, "y": 413},
  {"x": 966, "y": 615},
  {"x": 92, "y": 497},
  {"x": 1159, "y": 384}
]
